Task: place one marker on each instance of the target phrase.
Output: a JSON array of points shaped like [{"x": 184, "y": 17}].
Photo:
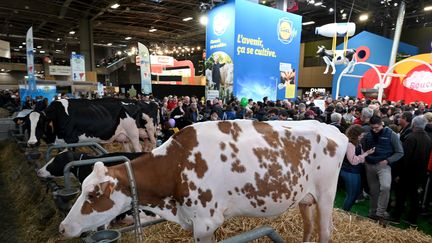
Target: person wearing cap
[{"x": 309, "y": 115}]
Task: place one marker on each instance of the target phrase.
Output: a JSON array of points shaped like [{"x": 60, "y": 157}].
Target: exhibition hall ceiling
[{"x": 176, "y": 22}]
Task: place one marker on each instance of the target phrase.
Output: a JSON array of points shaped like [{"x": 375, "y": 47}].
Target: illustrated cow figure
[
  {"x": 265, "y": 167},
  {"x": 82, "y": 120},
  {"x": 332, "y": 59}
]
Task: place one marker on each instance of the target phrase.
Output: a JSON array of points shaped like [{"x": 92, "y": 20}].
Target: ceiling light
[
  {"x": 187, "y": 19},
  {"x": 42, "y": 51},
  {"x": 152, "y": 30},
  {"x": 428, "y": 8},
  {"x": 363, "y": 17},
  {"x": 309, "y": 23},
  {"x": 318, "y": 4},
  {"x": 39, "y": 47},
  {"x": 128, "y": 38},
  {"x": 23, "y": 43},
  {"x": 58, "y": 50},
  {"x": 395, "y": 4},
  {"x": 16, "y": 49},
  {"x": 119, "y": 52},
  {"x": 2, "y": 70},
  {"x": 203, "y": 20},
  {"x": 58, "y": 39},
  {"x": 344, "y": 15},
  {"x": 72, "y": 32},
  {"x": 331, "y": 10},
  {"x": 19, "y": 46},
  {"x": 109, "y": 44},
  {"x": 198, "y": 48},
  {"x": 115, "y": 5}
]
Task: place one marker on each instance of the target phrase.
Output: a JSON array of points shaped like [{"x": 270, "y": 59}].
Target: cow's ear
[{"x": 99, "y": 169}]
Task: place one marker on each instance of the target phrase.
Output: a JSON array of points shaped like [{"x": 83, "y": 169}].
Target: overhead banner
[
  {"x": 31, "y": 80},
  {"x": 60, "y": 70},
  {"x": 78, "y": 67},
  {"x": 162, "y": 60},
  {"x": 144, "y": 60},
  {"x": 5, "y": 49},
  {"x": 253, "y": 51}
]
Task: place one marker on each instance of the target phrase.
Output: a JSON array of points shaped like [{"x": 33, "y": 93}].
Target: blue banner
[
  {"x": 31, "y": 80},
  {"x": 257, "y": 46},
  {"x": 44, "y": 91}
]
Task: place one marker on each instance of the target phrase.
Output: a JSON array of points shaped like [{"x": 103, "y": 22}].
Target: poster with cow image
[
  {"x": 257, "y": 39},
  {"x": 219, "y": 74}
]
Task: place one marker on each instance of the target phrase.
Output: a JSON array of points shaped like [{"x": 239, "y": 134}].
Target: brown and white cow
[{"x": 212, "y": 171}]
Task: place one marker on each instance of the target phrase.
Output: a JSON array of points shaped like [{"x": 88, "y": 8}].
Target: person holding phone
[{"x": 352, "y": 165}]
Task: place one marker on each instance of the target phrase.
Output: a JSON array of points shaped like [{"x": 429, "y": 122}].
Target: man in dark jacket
[
  {"x": 417, "y": 147},
  {"x": 388, "y": 149}
]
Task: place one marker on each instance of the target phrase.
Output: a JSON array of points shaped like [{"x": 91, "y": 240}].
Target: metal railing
[
  {"x": 94, "y": 146},
  {"x": 255, "y": 234}
]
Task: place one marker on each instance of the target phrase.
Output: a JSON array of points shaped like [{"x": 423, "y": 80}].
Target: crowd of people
[{"x": 389, "y": 143}]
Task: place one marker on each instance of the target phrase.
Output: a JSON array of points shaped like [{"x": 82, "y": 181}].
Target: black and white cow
[
  {"x": 338, "y": 57},
  {"x": 55, "y": 167},
  {"x": 81, "y": 120}
]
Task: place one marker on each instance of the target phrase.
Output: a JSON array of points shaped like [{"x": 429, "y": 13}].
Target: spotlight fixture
[
  {"x": 72, "y": 32},
  {"x": 428, "y": 8},
  {"x": 363, "y": 17},
  {"x": 308, "y": 23},
  {"x": 109, "y": 44},
  {"x": 152, "y": 30},
  {"x": 204, "y": 20},
  {"x": 128, "y": 38},
  {"x": 187, "y": 19},
  {"x": 115, "y": 5}
]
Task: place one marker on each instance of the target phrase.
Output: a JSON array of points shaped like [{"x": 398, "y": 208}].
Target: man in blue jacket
[{"x": 388, "y": 149}]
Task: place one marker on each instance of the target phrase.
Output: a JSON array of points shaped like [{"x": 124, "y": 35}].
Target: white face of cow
[
  {"x": 34, "y": 120},
  {"x": 98, "y": 204}
]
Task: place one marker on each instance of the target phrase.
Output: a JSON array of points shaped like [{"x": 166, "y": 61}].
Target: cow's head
[
  {"x": 321, "y": 49},
  {"x": 100, "y": 201},
  {"x": 39, "y": 128},
  {"x": 54, "y": 168}
]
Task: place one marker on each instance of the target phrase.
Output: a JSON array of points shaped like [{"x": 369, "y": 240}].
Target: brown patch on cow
[
  {"x": 204, "y": 196},
  {"x": 192, "y": 186},
  {"x": 236, "y": 189},
  {"x": 234, "y": 148},
  {"x": 224, "y": 127},
  {"x": 99, "y": 199},
  {"x": 223, "y": 157},
  {"x": 314, "y": 155},
  {"x": 307, "y": 177},
  {"x": 200, "y": 165},
  {"x": 196, "y": 202},
  {"x": 262, "y": 210},
  {"x": 235, "y": 131},
  {"x": 318, "y": 167},
  {"x": 188, "y": 202},
  {"x": 150, "y": 168},
  {"x": 325, "y": 151},
  {"x": 270, "y": 136},
  {"x": 233, "y": 155},
  {"x": 230, "y": 128},
  {"x": 331, "y": 147},
  {"x": 229, "y": 193},
  {"x": 253, "y": 204},
  {"x": 237, "y": 167},
  {"x": 212, "y": 212},
  {"x": 222, "y": 145},
  {"x": 174, "y": 211},
  {"x": 318, "y": 138}
]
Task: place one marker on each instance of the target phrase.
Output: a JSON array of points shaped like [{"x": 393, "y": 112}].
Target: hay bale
[{"x": 347, "y": 228}]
